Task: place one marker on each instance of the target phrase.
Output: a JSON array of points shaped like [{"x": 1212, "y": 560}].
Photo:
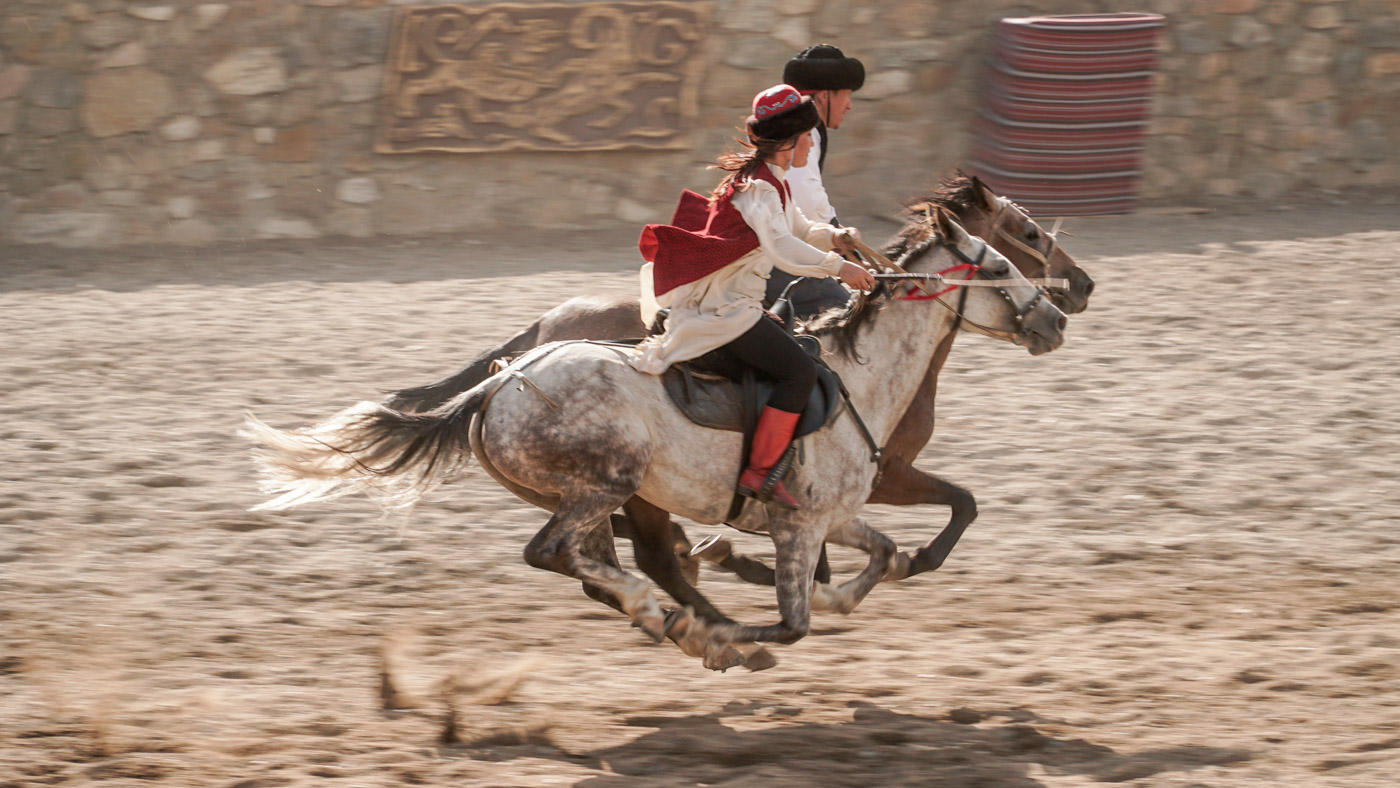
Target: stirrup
[
  {"x": 713, "y": 542},
  {"x": 780, "y": 470}
]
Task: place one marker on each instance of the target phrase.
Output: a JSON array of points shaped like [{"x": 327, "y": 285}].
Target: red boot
[{"x": 770, "y": 440}]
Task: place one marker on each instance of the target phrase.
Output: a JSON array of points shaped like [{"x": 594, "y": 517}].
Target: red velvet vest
[{"x": 702, "y": 237}]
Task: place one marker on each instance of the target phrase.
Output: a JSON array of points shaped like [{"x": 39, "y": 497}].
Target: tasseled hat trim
[{"x": 824, "y": 67}]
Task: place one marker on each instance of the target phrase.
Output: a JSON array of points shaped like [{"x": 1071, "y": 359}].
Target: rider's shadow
[{"x": 878, "y": 747}]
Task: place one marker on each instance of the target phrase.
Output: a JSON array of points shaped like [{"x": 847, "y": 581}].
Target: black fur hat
[
  {"x": 781, "y": 113},
  {"x": 824, "y": 67}
]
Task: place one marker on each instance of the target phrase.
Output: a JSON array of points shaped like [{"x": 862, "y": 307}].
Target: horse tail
[
  {"x": 420, "y": 399},
  {"x": 392, "y": 456}
]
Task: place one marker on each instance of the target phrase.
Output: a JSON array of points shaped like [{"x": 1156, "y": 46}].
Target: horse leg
[
  {"x": 883, "y": 554},
  {"x": 559, "y": 547},
  {"x": 798, "y": 549},
  {"x": 598, "y": 545},
  {"x": 905, "y": 485},
  {"x": 653, "y": 543},
  {"x": 720, "y": 552},
  {"x": 681, "y": 627},
  {"x": 655, "y": 538},
  {"x": 679, "y": 547}
]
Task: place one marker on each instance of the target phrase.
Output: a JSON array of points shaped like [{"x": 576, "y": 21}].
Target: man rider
[{"x": 825, "y": 73}]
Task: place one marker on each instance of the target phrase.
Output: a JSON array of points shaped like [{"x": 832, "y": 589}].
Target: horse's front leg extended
[
  {"x": 904, "y": 485},
  {"x": 798, "y": 548},
  {"x": 844, "y": 598},
  {"x": 562, "y": 546}
]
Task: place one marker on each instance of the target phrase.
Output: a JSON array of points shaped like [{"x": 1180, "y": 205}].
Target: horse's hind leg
[
  {"x": 904, "y": 485},
  {"x": 653, "y": 544},
  {"x": 598, "y": 545},
  {"x": 689, "y": 567},
  {"x": 654, "y": 540},
  {"x": 560, "y": 547},
  {"x": 844, "y": 598}
]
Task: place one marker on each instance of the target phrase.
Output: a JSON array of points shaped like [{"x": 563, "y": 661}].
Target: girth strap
[{"x": 877, "y": 452}]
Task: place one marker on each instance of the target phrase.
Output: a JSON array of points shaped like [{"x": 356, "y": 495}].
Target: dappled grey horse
[{"x": 574, "y": 429}]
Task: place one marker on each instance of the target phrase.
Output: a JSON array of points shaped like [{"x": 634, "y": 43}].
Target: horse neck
[{"x": 898, "y": 348}]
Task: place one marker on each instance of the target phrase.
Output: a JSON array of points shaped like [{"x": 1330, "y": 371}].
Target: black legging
[{"x": 770, "y": 349}]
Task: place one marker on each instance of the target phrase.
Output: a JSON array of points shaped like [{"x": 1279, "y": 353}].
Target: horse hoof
[
  {"x": 723, "y": 658},
  {"x": 677, "y": 621},
  {"x": 759, "y": 658},
  {"x": 924, "y": 561},
  {"x": 714, "y": 548},
  {"x": 900, "y": 566},
  {"x": 826, "y": 599},
  {"x": 687, "y": 631},
  {"x": 654, "y": 626},
  {"x": 690, "y": 569}
]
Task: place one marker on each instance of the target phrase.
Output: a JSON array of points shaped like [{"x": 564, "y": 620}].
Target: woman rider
[{"x": 711, "y": 264}]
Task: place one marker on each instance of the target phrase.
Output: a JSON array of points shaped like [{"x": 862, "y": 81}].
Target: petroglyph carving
[{"x": 552, "y": 76}]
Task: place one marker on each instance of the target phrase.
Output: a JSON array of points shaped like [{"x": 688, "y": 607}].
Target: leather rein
[
  {"x": 968, "y": 264},
  {"x": 994, "y": 221}
]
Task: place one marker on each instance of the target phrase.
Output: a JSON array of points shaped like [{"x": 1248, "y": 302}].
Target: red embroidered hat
[{"x": 780, "y": 113}]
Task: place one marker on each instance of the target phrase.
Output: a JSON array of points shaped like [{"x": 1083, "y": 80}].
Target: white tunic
[
  {"x": 716, "y": 309},
  {"x": 806, "y": 184}
]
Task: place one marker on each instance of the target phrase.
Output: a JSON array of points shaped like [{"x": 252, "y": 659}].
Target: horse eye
[{"x": 1032, "y": 232}]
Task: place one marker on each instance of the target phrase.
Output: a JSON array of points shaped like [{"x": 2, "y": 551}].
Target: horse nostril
[
  {"x": 1089, "y": 288},
  {"x": 1062, "y": 322}
]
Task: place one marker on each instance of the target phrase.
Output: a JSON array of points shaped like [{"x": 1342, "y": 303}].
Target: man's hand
[
  {"x": 846, "y": 240},
  {"x": 856, "y": 277}
]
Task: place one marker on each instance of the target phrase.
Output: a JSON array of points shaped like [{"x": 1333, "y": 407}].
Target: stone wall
[{"x": 192, "y": 123}]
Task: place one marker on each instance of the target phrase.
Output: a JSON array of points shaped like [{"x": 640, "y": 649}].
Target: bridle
[
  {"x": 995, "y": 223},
  {"x": 919, "y": 287}
]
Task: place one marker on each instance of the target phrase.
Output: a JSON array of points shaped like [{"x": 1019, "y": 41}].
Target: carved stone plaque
[{"x": 547, "y": 76}]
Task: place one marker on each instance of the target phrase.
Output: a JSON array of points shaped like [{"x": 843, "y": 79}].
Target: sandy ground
[{"x": 1183, "y": 573}]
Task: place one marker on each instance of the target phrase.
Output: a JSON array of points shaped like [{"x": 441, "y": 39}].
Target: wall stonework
[{"x": 193, "y": 123}]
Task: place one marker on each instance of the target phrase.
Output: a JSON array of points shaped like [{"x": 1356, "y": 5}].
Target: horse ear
[
  {"x": 985, "y": 196},
  {"x": 948, "y": 226}
]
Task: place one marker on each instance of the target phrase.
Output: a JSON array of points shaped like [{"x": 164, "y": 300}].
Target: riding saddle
[
  {"x": 721, "y": 392},
  {"x": 718, "y": 391}
]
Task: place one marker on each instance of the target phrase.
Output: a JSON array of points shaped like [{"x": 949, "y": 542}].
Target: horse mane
[
  {"x": 955, "y": 193},
  {"x": 842, "y": 325}
]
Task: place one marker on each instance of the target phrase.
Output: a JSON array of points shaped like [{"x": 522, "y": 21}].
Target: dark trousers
[
  {"x": 809, "y": 297},
  {"x": 771, "y": 350}
]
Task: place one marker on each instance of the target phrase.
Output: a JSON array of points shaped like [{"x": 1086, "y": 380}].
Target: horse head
[
  {"x": 1009, "y": 228},
  {"x": 1032, "y": 249},
  {"x": 1013, "y": 309}
]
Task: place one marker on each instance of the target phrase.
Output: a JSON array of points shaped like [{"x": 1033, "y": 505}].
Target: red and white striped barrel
[{"x": 1066, "y": 101}]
